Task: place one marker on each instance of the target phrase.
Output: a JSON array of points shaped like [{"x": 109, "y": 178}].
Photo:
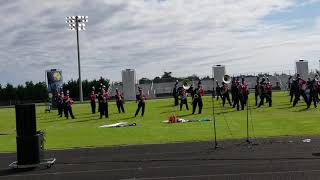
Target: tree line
[
  {"x": 38, "y": 92},
  {"x": 167, "y": 77}
]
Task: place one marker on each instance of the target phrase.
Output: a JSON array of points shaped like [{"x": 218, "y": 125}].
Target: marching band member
[
  {"x": 225, "y": 94},
  {"x": 257, "y": 91},
  {"x": 236, "y": 91},
  {"x": 119, "y": 101},
  {"x": 67, "y": 101},
  {"x": 300, "y": 91},
  {"x": 295, "y": 91},
  {"x": 59, "y": 100},
  {"x": 197, "y": 98},
  {"x": 103, "y": 103},
  {"x": 140, "y": 98},
  {"x": 291, "y": 88},
  {"x": 175, "y": 94},
  {"x": 318, "y": 89},
  {"x": 93, "y": 97},
  {"x": 100, "y": 91},
  {"x": 269, "y": 92},
  {"x": 233, "y": 89},
  {"x": 244, "y": 90},
  {"x": 264, "y": 93},
  {"x": 218, "y": 90},
  {"x": 311, "y": 91},
  {"x": 183, "y": 99}
]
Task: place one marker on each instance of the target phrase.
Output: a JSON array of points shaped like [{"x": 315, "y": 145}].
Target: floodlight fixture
[{"x": 77, "y": 23}]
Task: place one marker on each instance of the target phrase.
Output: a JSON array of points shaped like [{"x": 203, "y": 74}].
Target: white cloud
[
  {"x": 317, "y": 23},
  {"x": 152, "y": 36}
]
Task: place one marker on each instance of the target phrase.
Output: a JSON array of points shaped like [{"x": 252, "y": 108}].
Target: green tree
[
  {"x": 144, "y": 81},
  {"x": 9, "y": 92}
]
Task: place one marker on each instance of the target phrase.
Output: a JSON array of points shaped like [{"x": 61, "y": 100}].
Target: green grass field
[{"x": 84, "y": 131}]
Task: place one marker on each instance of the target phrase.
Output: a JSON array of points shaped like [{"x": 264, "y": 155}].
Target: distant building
[
  {"x": 129, "y": 84},
  {"x": 302, "y": 69},
  {"x": 218, "y": 73}
]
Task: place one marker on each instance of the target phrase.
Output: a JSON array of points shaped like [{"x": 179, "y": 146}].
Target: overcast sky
[{"x": 152, "y": 36}]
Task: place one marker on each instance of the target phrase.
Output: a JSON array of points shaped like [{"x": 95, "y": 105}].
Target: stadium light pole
[{"x": 77, "y": 23}]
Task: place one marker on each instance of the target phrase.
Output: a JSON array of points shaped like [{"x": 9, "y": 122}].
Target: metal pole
[
  {"x": 80, "y": 81},
  {"x": 248, "y": 121},
  {"x": 214, "y": 118}
]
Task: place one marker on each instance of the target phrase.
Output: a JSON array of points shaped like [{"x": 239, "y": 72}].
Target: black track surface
[{"x": 270, "y": 159}]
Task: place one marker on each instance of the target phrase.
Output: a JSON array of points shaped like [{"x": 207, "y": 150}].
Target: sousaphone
[
  {"x": 226, "y": 79},
  {"x": 186, "y": 84}
]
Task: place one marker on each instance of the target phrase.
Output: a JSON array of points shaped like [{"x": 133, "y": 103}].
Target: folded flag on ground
[
  {"x": 185, "y": 121},
  {"x": 120, "y": 124}
]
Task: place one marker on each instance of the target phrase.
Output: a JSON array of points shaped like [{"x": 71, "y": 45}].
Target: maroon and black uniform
[
  {"x": 175, "y": 94},
  {"x": 225, "y": 94},
  {"x": 291, "y": 89},
  {"x": 318, "y": 90},
  {"x": 183, "y": 99},
  {"x": 140, "y": 98},
  {"x": 300, "y": 92},
  {"x": 244, "y": 90},
  {"x": 197, "y": 99},
  {"x": 119, "y": 101},
  {"x": 93, "y": 98},
  {"x": 257, "y": 92},
  {"x": 218, "y": 91},
  {"x": 60, "y": 103},
  {"x": 269, "y": 92},
  {"x": 67, "y": 102},
  {"x": 264, "y": 94},
  {"x": 103, "y": 104},
  {"x": 237, "y": 95},
  {"x": 311, "y": 91}
]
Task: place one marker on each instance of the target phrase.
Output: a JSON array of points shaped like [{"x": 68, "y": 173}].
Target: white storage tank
[
  {"x": 302, "y": 69},
  {"x": 218, "y": 73},
  {"x": 129, "y": 84}
]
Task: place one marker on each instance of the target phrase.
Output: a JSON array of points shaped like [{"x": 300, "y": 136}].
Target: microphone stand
[
  {"x": 247, "y": 140},
  {"x": 214, "y": 118}
]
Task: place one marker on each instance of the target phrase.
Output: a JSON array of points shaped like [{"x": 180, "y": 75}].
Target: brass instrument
[
  {"x": 316, "y": 77},
  {"x": 104, "y": 98},
  {"x": 186, "y": 84},
  {"x": 226, "y": 79},
  {"x": 142, "y": 98}
]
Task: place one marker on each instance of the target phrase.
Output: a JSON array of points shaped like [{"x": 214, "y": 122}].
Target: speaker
[
  {"x": 26, "y": 120},
  {"x": 30, "y": 149}
]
